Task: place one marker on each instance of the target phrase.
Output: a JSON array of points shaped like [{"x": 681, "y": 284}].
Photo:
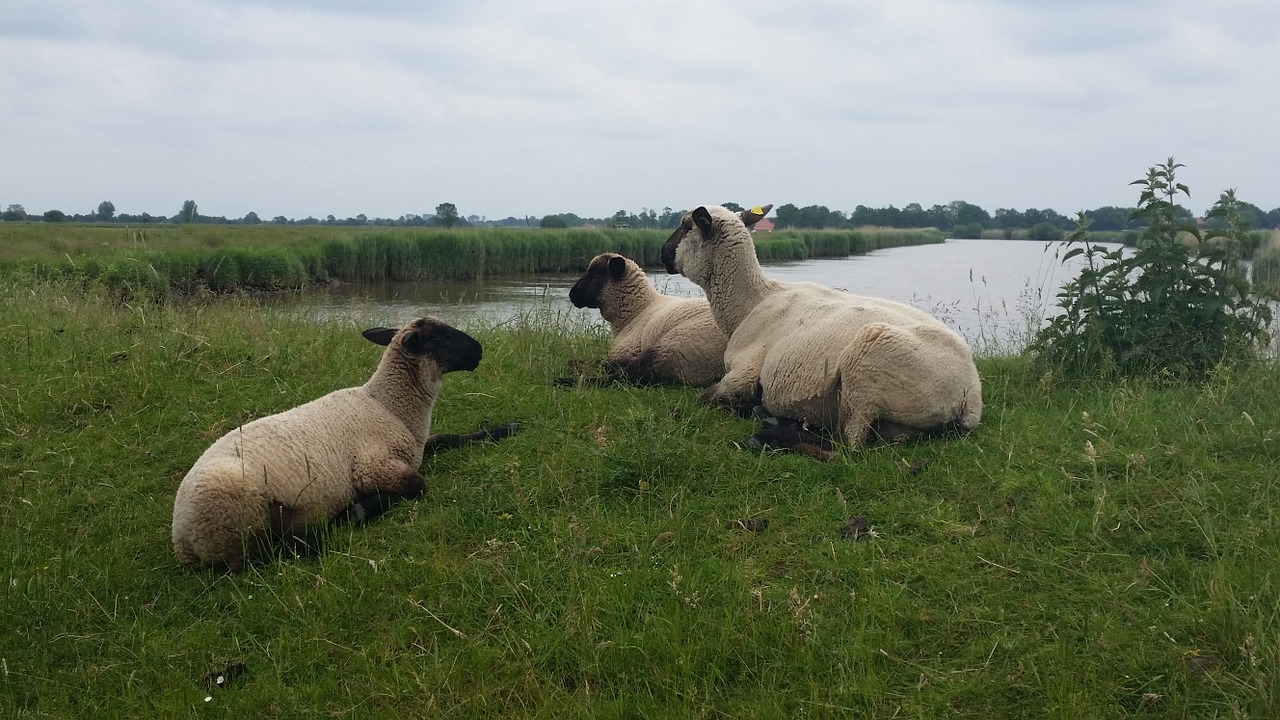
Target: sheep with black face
[
  {"x": 656, "y": 337},
  {"x": 346, "y": 455},
  {"x": 861, "y": 367}
]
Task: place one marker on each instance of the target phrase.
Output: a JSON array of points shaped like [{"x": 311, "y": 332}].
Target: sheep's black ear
[
  {"x": 702, "y": 218},
  {"x": 380, "y": 335},
  {"x": 617, "y": 267},
  {"x": 415, "y": 341},
  {"x": 754, "y": 215}
]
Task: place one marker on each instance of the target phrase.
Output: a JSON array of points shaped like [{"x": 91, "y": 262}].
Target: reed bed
[{"x": 152, "y": 263}]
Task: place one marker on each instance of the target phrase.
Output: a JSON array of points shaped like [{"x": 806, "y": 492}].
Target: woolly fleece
[
  {"x": 656, "y": 337},
  {"x": 280, "y": 475},
  {"x": 857, "y": 365}
]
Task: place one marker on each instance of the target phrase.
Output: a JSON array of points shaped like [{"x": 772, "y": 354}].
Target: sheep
[
  {"x": 656, "y": 338},
  {"x": 346, "y": 456},
  {"x": 863, "y": 368}
]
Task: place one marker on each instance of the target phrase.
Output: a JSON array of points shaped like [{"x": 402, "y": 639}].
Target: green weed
[{"x": 1178, "y": 306}]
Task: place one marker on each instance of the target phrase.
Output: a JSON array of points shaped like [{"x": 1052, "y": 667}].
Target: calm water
[{"x": 991, "y": 291}]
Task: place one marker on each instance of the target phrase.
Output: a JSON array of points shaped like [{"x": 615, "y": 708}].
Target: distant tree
[
  {"x": 279, "y": 220},
  {"x": 1109, "y": 218},
  {"x": 1251, "y": 214},
  {"x": 552, "y": 222},
  {"x": 106, "y": 211},
  {"x": 669, "y": 218},
  {"x": 54, "y": 216},
  {"x": 14, "y": 212},
  {"x": 188, "y": 212},
  {"x": 733, "y": 206},
  {"x": 913, "y": 215},
  {"x": 1046, "y": 231},
  {"x": 969, "y": 214},
  {"x": 1034, "y": 217},
  {"x": 787, "y": 215},
  {"x": 810, "y": 216},
  {"x": 863, "y": 215},
  {"x": 251, "y": 219},
  {"x": 1008, "y": 219},
  {"x": 447, "y": 215}
]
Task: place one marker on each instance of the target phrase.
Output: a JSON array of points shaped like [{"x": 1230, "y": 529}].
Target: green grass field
[
  {"x": 155, "y": 262},
  {"x": 1103, "y": 551}
]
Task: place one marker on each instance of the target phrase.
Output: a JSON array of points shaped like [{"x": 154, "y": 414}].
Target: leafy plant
[{"x": 1177, "y": 306}]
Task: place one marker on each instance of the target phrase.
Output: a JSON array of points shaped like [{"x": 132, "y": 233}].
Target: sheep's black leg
[
  {"x": 370, "y": 505},
  {"x": 286, "y": 533},
  {"x": 436, "y": 443},
  {"x": 367, "y": 507},
  {"x": 790, "y": 435},
  {"x": 642, "y": 370}
]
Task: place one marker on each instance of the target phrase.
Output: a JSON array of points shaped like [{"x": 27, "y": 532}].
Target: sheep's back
[
  {"x": 303, "y": 457},
  {"x": 799, "y": 334},
  {"x": 681, "y": 337}
]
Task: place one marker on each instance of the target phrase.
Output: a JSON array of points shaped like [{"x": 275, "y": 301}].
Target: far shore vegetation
[
  {"x": 188, "y": 252},
  {"x": 157, "y": 260}
]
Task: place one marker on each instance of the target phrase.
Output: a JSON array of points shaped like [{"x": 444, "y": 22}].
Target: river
[{"x": 993, "y": 292}]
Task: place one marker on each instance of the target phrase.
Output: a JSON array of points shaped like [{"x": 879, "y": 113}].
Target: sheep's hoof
[
  {"x": 790, "y": 437},
  {"x": 497, "y": 432}
]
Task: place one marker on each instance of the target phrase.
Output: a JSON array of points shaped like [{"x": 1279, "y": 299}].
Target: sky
[{"x": 390, "y": 107}]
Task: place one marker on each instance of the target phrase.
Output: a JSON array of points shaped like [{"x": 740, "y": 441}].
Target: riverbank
[
  {"x": 1104, "y": 551},
  {"x": 154, "y": 262}
]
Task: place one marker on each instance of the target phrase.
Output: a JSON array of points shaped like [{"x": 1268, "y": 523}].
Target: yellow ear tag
[{"x": 757, "y": 210}]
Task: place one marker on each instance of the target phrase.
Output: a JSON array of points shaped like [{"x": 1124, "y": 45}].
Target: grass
[
  {"x": 152, "y": 262},
  {"x": 1096, "y": 551}
]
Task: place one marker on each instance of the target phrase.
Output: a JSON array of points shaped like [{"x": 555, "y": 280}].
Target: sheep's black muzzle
[
  {"x": 586, "y": 292},
  {"x": 669, "y": 248},
  {"x": 460, "y": 352}
]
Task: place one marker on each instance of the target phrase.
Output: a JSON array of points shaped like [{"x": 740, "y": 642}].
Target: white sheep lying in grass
[
  {"x": 656, "y": 337},
  {"x": 860, "y": 367},
  {"x": 345, "y": 456}
]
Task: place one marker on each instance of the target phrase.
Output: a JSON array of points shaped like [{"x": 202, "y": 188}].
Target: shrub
[
  {"x": 1177, "y": 306},
  {"x": 1045, "y": 231}
]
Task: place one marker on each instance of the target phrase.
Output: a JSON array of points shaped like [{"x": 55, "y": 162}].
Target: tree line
[{"x": 959, "y": 219}]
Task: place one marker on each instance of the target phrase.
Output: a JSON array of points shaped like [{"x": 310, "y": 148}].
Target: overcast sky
[{"x": 389, "y": 107}]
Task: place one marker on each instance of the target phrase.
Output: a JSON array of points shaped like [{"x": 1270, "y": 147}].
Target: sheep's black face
[
  {"x": 428, "y": 337},
  {"x": 454, "y": 349},
  {"x": 673, "y": 243},
  {"x": 587, "y": 291}
]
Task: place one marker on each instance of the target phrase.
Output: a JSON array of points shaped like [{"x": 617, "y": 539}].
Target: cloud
[{"x": 387, "y": 107}]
